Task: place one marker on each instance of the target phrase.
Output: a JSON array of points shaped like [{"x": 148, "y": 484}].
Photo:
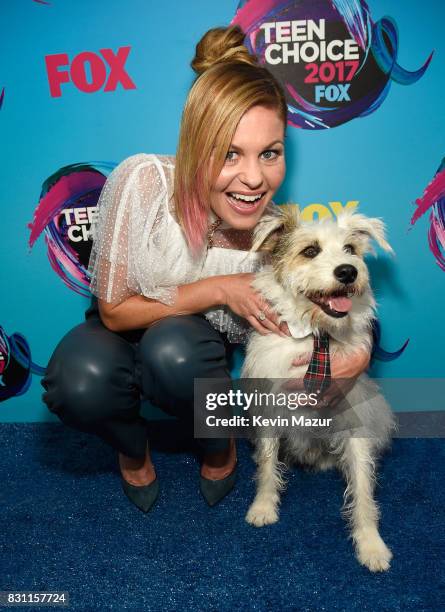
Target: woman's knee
[
  {"x": 90, "y": 376},
  {"x": 178, "y": 349}
]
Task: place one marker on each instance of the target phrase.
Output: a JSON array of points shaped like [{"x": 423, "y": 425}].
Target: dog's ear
[
  {"x": 365, "y": 228},
  {"x": 280, "y": 220}
]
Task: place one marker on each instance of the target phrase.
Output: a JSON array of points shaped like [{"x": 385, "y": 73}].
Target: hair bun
[{"x": 221, "y": 45}]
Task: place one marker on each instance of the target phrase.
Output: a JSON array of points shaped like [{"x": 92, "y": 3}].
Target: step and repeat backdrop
[{"x": 85, "y": 84}]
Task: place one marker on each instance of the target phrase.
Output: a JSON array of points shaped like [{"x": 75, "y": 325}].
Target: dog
[{"x": 317, "y": 281}]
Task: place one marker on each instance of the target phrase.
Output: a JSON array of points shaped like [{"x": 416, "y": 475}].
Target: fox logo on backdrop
[
  {"x": 105, "y": 68},
  {"x": 334, "y": 63}
]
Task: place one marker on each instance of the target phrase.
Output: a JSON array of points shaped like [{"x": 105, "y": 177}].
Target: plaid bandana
[{"x": 318, "y": 376}]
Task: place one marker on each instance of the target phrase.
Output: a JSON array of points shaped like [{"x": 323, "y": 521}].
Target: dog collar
[{"x": 300, "y": 329}]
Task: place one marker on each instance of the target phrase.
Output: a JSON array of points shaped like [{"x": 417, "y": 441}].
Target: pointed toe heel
[
  {"x": 144, "y": 496},
  {"x": 214, "y": 491}
]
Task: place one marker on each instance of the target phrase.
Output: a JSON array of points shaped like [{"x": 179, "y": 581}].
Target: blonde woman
[{"x": 171, "y": 270}]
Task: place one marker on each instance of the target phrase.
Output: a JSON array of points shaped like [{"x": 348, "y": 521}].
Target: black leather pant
[{"x": 95, "y": 377}]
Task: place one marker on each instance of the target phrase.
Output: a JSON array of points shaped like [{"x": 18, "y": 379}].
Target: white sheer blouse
[{"x": 140, "y": 248}]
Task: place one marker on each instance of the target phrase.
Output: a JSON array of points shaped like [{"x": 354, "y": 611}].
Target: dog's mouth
[{"x": 336, "y": 304}]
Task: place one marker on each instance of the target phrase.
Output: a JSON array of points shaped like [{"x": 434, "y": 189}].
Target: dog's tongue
[{"x": 340, "y": 304}]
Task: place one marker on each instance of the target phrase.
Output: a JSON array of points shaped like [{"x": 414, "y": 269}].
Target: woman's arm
[
  {"x": 233, "y": 290},
  {"x": 138, "y": 312}
]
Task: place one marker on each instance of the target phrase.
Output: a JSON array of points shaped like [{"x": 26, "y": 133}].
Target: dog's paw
[
  {"x": 374, "y": 554},
  {"x": 261, "y": 514}
]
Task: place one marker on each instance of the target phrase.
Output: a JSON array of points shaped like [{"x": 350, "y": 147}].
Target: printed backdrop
[{"x": 84, "y": 85}]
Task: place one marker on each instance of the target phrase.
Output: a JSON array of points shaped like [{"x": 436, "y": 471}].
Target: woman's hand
[
  {"x": 241, "y": 297},
  {"x": 351, "y": 366},
  {"x": 344, "y": 372}
]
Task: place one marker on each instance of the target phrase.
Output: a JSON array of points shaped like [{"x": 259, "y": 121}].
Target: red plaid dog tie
[{"x": 318, "y": 376}]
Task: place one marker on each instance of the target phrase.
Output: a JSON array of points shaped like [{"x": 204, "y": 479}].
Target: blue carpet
[{"x": 67, "y": 526}]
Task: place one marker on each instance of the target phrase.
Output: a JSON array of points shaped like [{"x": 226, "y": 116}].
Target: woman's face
[{"x": 253, "y": 170}]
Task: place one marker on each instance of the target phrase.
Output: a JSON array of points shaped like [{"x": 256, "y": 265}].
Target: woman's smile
[{"x": 245, "y": 203}]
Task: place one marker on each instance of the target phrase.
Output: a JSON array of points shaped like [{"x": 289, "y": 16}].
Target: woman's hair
[{"x": 230, "y": 82}]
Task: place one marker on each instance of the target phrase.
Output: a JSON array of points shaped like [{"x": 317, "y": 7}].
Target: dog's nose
[{"x": 345, "y": 273}]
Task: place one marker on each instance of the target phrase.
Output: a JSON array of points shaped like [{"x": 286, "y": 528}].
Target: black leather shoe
[
  {"x": 142, "y": 496},
  {"x": 213, "y": 491}
]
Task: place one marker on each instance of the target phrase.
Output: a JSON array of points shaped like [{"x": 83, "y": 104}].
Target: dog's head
[{"x": 321, "y": 261}]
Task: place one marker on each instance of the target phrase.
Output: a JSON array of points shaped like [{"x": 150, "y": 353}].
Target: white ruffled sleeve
[{"x": 130, "y": 233}]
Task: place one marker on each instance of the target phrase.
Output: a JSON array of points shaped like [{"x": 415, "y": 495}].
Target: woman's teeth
[
  {"x": 244, "y": 201},
  {"x": 246, "y": 198}
]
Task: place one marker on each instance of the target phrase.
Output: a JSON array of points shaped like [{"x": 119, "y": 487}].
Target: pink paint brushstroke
[
  {"x": 61, "y": 258},
  {"x": 432, "y": 193},
  {"x": 434, "y": 246},
  {"x": 252, "y": 12},
  {"x": 439, "y": 229}
]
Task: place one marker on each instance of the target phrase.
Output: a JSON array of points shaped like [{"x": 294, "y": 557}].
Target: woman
[{"x": 171, "y": 270}]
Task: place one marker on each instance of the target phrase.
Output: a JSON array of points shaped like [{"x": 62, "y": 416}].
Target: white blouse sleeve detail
[{"x": 130, "y": 233}]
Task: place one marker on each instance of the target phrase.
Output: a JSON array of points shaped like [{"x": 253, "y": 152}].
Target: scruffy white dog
[{"x": 317, "y": 281}]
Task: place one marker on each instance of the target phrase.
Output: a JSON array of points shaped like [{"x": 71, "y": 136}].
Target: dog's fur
[{"x": 288, "y": 283}]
